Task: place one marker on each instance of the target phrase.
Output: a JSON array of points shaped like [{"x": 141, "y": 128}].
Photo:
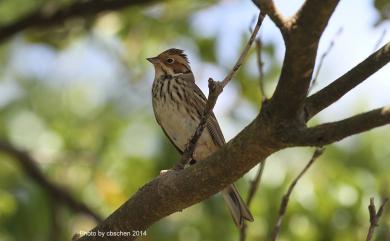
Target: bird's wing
[
  {"x": 200, "y": 103},
  {"x": 169, "y": 138},
  {"x": 215, "y": 130}
]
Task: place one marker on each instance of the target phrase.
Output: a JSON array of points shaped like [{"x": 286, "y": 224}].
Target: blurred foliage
[
  {"x": 383, "y": 8},
  {"x": 76, "y": 96}
]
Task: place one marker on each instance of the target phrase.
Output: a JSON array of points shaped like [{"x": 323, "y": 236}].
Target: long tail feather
[{"x": 236, "y": 205}]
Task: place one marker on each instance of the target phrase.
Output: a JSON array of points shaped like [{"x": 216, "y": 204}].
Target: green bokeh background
[{"x": 104, "y": 146}]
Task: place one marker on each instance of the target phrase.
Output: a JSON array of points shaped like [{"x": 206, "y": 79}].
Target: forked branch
[
  {"x": 374, "y": 216},
  {"x": 301, "y": 49},
  {"x": 175, "y": 191}
]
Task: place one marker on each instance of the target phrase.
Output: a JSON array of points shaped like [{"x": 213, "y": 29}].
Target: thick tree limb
[
  {"x": 175, "y": 191},
  {"x": 164, "y": 190},
  {"x": 313, "y": 17},
  {"x": 334, "y": 131},
  {"x": 338, "y": 88},
  {"x": 40, "y": 18},
  {"x": 57, "y": 193},
  {"x": 301, "y": 49}
]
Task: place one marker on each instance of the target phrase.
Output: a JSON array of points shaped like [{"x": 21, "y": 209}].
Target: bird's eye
[{"x": 170, "y": 60}]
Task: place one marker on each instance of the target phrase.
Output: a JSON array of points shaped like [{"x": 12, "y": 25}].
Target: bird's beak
[{"x": 154, "y": 60}]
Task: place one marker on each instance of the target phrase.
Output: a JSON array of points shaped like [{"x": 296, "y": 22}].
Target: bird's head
[{"x": 171, "y": 62}]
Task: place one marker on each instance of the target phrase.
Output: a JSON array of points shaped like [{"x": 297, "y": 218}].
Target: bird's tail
[{"x": 236, "y": 205}]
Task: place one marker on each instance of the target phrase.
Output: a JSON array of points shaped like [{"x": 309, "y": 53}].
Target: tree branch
[
  {"x": 41, "y": 18},
  {"x": 334, "y": 131},
  {"x": 286, "y": 197},
  {"x": 301, "y": 49},
  {"x": 29, "y": 166},
  {"x": 338, "y": 88},
  {"x": 270, "y": 9},
  {"x": 374, "y": 216},
  {"x": 215, "y": 89},
  {"x": 313, "y": 17},
  {"x": 175, "y": 191}
]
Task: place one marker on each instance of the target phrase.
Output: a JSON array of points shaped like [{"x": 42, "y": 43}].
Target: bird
[{"x": 178, "y": 104}]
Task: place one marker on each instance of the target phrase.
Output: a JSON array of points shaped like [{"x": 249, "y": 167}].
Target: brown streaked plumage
[{"x": 178, "y": 104}]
